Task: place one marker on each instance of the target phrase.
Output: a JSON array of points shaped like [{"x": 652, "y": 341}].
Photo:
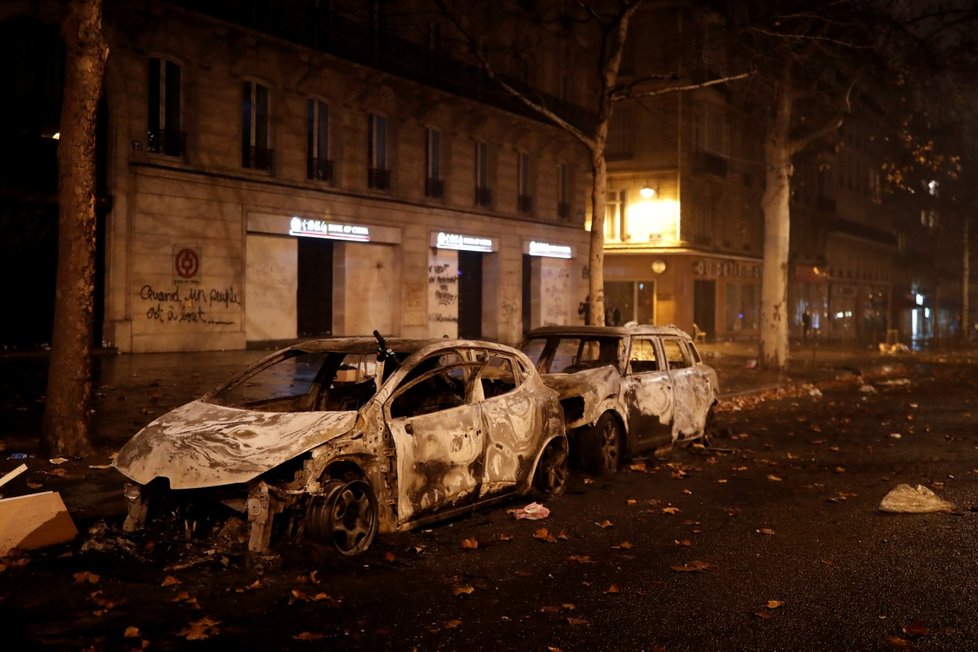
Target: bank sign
[{"x": 307, "y": 228}]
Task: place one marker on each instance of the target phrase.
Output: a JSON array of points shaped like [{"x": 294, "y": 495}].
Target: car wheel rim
[
  {"x": 353, "y": 518},
  {"x": 556, "y": 468},
  {"x": 610, "y": 445}
]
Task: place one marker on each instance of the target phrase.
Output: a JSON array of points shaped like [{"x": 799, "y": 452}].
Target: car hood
[
  {"x": 593, "y": 385},
  {"x": 205, "y": 445},
  {"x": 604, "y": 380}
]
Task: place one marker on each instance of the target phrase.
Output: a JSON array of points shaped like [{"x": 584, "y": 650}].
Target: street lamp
[{"x": 647, "y": 191}]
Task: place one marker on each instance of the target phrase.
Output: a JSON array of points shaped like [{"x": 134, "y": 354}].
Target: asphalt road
[{"x": 770, "y": 539}]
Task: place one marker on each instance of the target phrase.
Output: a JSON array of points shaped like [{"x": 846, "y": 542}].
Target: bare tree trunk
[
  {"x": 773, "y": 353},
  {"x": 965, "y": 321},
  {"x": 599, "y": 188},
  {"x": 69, "y": 388}
]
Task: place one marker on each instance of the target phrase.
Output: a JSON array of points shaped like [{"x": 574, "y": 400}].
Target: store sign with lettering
[
  {"x": 307, "y": 228},
  {"x": 548, "y": 250},
  {"x": 460, "y": 242}
]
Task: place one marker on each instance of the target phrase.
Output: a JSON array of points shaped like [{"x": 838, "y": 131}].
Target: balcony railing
[
  {"x": 524, "y": 203},
  {"x": 378, "y": 178},
  {"x": 319, "y": 169},
  {"x": 483, "y": 197},
  {"x": 257, "y": 158},
  {"x": 434, "y": 188},
  {"x": 162, "y": 141}
]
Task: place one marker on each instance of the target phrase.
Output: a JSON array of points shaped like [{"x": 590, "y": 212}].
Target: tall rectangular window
[
  {"x": 524, "y": 202},
  {"x": 563, "y": 190},
  {"x": 378, "y": 173},
  {"x": 434, "y": 185},
  {"x": 483, "y": 194},
  {"x": 163, "y": 133},
  {"x": 319, "y": 166},
  {"x": 255, "y": 152}
]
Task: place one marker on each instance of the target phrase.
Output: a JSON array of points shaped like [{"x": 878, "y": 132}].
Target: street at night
[{"x": 769, "y": 538}]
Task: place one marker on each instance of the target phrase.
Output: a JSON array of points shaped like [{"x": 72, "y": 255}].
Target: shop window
[
  {"x": 319, "y": 165},
  {"x": 255, "y": 151},
  {"x": 163, "y": 134}
]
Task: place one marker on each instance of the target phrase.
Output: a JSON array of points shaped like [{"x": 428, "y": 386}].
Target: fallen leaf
[
  {"x": 631, "y": 501},
  {"x": 563, "y": 536},
  {"x": 692, "y": 567},
  {"x": 764, "y": 614},
  {"x": 504, "y": 537},
  {"x": 574, "y": 620},
  {"x": 251, "y": 587},
  {"x": 200, "y": 629},
  {"x": 614, "y": 588},
  {"x": 637, "y": 466},
  {"x": 462, "y": 590},
  {"x": 670, "y": 510},
  {"x": 897, "y": 643},
  {"x": 550, "y": 609},
  {"x": 916, "y": 628},
  {"x": 169, "y": 580},
  {"x": 389, "y": 556},
  {"x": 543, "y": 534},
  {"x": 766, "y": 530},
  {"x": 581, "y": 559},
  {"x": 131, "y": 632},
  {"x": 61, "y": 473},
  {"x": 470, "y": 544},
  {"x": 605, "y": 524},
  {"x": 624, "y": 545},
  {"x": 687, "y": 492},
  {"x": 683, "y": 543},
  {"x": 773, "y": 478},
  {"x": 774, "y": 604},
  {"x": 85, "y": 576},
  {"x": 451, "y": 624},
  {"x": 840, "y": 469},
  {"x": 309, "y": 636}
]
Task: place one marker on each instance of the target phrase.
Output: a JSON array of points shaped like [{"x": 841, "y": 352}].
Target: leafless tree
[{"x": 69, "y": 390}]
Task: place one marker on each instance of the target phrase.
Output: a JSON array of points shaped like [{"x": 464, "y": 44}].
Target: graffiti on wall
[
  {"x": 189, "y": 305},
  {"x": 554, "y": 290},
  {"x": 443, "y": 295}
]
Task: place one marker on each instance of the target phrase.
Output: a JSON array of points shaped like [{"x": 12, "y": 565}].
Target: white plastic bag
[{"x": 905, "y": 499}]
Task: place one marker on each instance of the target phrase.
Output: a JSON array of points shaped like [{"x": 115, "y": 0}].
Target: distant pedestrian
[
  {"x": 584, "y": 309},
  {"x": 616, "y": 316},
  {"x": 806, "y": 326}
]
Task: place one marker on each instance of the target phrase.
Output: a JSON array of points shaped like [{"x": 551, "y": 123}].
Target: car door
[
  {"x": 684, "y": 390},
  {"x": 439, "y": 437},
  {"x": 511, "y": 423},
  {"x": 648, "y": 395}
]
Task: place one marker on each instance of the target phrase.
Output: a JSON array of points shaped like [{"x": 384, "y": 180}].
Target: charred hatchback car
[
  {"x": 624, "y": 389},
  {"x": 338, "y": 439}
]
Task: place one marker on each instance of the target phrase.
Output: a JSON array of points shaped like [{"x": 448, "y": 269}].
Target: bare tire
[
  {"x": 601, "y": 446},
  {"x": 345, "y": 516},
  {"x": 553, "y": 471}
]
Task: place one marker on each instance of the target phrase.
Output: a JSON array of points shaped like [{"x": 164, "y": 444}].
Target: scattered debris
[
  {"x": 34, "y": 521},
  {"x": 905, "y": 499},
  {"x": 894, "y": 348},
  {"x": 867, "y": 389},
  {"x": 531, "y": 512},
  {"x": 895, "y": 382},
  {"x": 12, "y": 474}
]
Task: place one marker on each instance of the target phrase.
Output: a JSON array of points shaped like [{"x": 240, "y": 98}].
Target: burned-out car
[
  {"x": 339, "y": 440},
  {"x": 624, "y": 389}
]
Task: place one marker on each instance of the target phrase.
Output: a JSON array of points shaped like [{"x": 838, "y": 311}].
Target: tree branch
[{"x": 618, "y": 96}]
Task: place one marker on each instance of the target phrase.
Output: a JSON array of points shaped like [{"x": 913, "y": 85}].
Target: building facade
[{"x": 278, "y": 170}]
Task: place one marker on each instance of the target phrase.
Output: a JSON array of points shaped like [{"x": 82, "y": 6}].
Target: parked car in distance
[
  {"x": 624, "y": 389},
  {"x": 341, "y": 438}
]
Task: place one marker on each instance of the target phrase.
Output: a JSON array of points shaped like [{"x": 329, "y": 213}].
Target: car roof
[
  {"x": 398, "y": 344},
  {"x": 620, "y": 331}
]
